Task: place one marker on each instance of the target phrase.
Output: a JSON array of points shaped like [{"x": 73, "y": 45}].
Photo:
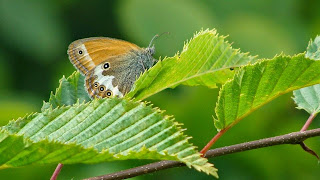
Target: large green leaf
[
  {"x": 101, "y": 130},
  {"x": 205, "y": 60},
  {"x": 71, "y": 130},
  {"x": 258, "y": 84},
  {"x": 308, "y": 98}
]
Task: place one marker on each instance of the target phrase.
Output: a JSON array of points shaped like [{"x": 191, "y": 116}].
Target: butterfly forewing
[{"x": 86, "y": 54}]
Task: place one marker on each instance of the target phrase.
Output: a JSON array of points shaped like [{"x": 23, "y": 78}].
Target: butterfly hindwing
[
  {"x": 115, "y": 76},
  {"x": 101, "y": 86}
]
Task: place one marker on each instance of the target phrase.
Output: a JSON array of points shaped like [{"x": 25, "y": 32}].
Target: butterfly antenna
[{"x": 156, "y": 37}]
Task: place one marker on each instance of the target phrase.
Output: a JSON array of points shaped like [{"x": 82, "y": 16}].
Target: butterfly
[{"x": 110, "y": 66}]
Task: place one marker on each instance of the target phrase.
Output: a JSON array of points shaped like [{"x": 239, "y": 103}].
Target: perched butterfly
[{"x": 110, "y": 66}]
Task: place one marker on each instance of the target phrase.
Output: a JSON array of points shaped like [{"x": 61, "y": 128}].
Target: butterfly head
[{"x": 151, "y": 50}]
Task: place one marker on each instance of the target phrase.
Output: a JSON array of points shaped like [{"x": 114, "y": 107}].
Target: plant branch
[{"x": 291, "y": 138}]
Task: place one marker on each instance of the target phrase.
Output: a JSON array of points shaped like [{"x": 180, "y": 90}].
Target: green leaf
[
  {"x": 313, "y": 50},
  {"x": 205, "y": 60},
  {"x": 98, "y": 131},
  {"x": 258, "y": 84},
  {"x": 308, "y": 98},
  {"x": 70, "y": 91}
]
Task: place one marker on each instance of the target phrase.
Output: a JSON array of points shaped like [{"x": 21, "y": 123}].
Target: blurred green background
[{"x": 34, "y": 36}]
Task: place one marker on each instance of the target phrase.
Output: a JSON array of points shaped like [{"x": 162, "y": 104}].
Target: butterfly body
[{"x": 110, "y": 66}]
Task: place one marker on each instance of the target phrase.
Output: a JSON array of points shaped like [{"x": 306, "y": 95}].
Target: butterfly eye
[
  {"x": 109, "y": 93},
  {"x": 102, "y": 88},
  {"x": 106, "y": 65},
  {"x": 80, "y": 52},
  {"x": 96, "y": 84}
]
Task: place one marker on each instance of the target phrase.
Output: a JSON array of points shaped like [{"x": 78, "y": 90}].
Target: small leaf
[
  {"x": 205, "y": 60},
  {"x": 258, "y": 84},
  {"x": 308, "y": 98},
  {"x": 98, "y": 131},
  {"x": 313, "y": 50},
  {"x": 70, "y": 91}
]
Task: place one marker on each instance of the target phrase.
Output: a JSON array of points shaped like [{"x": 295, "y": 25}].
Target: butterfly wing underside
[
  {"x": 94, "y": 57},
  {"x": 86, "y": 54}
]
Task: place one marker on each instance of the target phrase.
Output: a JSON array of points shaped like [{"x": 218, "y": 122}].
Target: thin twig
[
  {"x": 56, "y": 171},
  {"x": 309, "y": 150},
  {"x": 291, "y": 138}
]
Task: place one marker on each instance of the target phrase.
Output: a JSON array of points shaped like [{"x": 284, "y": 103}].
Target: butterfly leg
[{"x": 154, "y": 61}]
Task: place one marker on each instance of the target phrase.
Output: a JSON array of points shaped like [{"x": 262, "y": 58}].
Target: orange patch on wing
[
  {"x": 95, "y": 51},
  {"x": 103, "y": 48}
]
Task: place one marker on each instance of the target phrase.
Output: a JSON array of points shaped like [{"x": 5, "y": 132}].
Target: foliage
[
  {"x": 313, "y": 50},
  {"x": 258, "y": 84},
  {"x": 70, "y": 91},
  {"x": 205, "y": 60},
  {"x": 308, "y": 98},
  {"x": 97, "y": 131}
]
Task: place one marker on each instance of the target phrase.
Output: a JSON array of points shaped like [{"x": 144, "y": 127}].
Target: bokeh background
[{"x": 34, "y": 36}]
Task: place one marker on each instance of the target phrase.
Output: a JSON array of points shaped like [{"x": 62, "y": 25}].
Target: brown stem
[
  {"x": 213, "y": 140},
  {"x": 56, "y": 171},
  {"x": 291, "y": 138},
  {"x": 308, "y": 122}
]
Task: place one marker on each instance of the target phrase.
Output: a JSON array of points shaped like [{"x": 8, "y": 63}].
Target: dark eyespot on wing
[
  {"x": 102, "y": 88},
  {"x": 106, "y": 65},
  {"x": 96, "y": 85},
  {"x": 79, "y": 58},
  {"x": 109, "y": 93}
]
